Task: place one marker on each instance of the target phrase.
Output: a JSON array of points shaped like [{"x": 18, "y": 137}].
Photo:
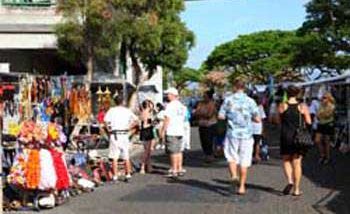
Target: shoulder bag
[{"x": 302, "y": 135}]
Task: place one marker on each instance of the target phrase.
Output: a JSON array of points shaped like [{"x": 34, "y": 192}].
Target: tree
[
  {"x": 87, "y": 32},
  {"x": 154, "y": 35},
  {"x": 327, "y": 32},
  {"x": 255, "y": 55},
  {"x": 185, "y": 75},
  {"x": 148, "y": 32}
]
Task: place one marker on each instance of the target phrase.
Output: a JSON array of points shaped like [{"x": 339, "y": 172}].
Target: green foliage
[
  {"x": 185, "y": 75},
  {"x": 86, "y": 30},
  {"x": 255, "y": 55},
  {"x": 150, "y": 31},
  {"x": 155, "y": 33},
  {"x": 327, "y": 33}
]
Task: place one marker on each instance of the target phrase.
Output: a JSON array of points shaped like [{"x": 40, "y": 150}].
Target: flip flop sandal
[
  {"x": 287, "y": 189},
  {"x": 297, "y": 195}
]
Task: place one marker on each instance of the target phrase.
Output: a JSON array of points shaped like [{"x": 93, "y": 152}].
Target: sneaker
[
  {"x": 115, "y": 178},
  {"x": 171, "y": 175},
  {"x": 127, "y": 178},
  {"x": 162, "y": 147},
  {"x": 181, "y": 173},
  {"x": 158, "y": 147}
]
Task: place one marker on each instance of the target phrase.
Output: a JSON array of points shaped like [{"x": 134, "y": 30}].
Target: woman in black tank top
[{"x": 290, "y": 114}]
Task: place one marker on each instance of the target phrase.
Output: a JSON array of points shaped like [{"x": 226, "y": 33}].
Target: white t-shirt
[
  {"x": 258, "y": 127},
  {"x": 176, "y": 113},
  {"x": 119, "y": 118}
]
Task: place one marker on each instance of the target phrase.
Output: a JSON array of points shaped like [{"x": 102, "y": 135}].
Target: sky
[{"x": 217, "y": 21}]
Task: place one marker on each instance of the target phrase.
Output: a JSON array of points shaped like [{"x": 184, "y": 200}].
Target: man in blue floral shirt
[{"x": 240, "y": 111}]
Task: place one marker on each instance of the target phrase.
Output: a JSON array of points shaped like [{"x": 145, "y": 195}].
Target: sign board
[{"x": 4, "y": 67}]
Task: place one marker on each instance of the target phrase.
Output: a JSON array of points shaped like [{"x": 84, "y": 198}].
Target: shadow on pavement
[
  {"x": 192, "y": 158},
  {"x": 253, "y": 186},
  {"x": 335, "y": 177},
  {"x": 222, "y": 190}
]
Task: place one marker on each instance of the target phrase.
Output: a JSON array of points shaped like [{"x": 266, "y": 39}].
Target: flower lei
[
  {"x": 16, "y": 175},
  {"x": 32, "y": 169},
  {"x": 61, "y": 170}
]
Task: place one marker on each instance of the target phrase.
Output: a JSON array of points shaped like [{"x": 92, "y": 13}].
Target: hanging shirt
[{"x": 239, "y": 109}]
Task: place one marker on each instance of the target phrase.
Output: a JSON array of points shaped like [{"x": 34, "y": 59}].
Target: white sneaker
[
  {"x": 162, "y": 147},
  {"x": 158, "y": 146},
  {"x": 127, "y": 178},
  {"x": 115, "y": 178}
]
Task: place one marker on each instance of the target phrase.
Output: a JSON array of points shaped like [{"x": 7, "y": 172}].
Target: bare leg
[
  {"x": 242, "y": 179},
  {"x": 173, "y": 163},
  {"x": 181, "y": 160},
  {"x": 297, "y": 173},
  {"x": 327, "y": 147},
  {"x": 233, "y": 170},
  {"x": 257, "y": 152},
  {"x": 115, "y": 167},
  {"x": 318, "y": 141},
  {"x": 288, "y": 168},
  {"x": 177, "y": 162},
  {"x": 127, "y": 167}
]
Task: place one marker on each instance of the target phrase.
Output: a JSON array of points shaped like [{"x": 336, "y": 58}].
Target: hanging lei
[
  {"x": 61, "y": 170},
  {"x": 32, "y": 169}
]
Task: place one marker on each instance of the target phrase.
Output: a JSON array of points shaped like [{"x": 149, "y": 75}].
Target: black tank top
[{"x": 290, "y": 118}]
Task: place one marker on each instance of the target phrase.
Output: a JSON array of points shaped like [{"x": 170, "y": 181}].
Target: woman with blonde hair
[{"x": 325, "y": 127}]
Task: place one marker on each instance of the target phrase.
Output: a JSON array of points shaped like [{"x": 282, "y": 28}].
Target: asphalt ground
[{"x": 206, "y": 188}]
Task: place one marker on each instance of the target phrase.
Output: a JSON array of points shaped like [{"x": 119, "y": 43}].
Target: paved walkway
[{"x": 206, "y": 189}]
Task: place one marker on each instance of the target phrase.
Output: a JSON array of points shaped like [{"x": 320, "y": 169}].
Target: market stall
[{"x": 40, "y": 115}]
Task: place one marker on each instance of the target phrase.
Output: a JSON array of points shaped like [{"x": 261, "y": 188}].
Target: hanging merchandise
[
  {"x": 40, "y": 163},
  {"x": 73, "y": 101},
  {"x": 61, "y": 170},
  {"x": 16, "y": 176},
  {"x": 47, "y": 174},
  {"x": 32, "y": 170}
]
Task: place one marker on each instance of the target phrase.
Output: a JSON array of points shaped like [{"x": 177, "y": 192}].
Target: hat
[{"x": 172, "y": 91}]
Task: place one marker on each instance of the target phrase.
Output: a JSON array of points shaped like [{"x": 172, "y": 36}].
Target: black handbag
[{"x": 302, "y": 136}]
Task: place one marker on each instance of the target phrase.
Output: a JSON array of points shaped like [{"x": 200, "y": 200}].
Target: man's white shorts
[
  {"x": 239, "y": 151},
  {"x": 119, "y": 148}
]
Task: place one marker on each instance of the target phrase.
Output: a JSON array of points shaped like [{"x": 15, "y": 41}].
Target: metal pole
[{"x": 1, "y": 153}]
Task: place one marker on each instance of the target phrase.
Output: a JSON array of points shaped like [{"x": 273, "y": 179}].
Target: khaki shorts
[
  {"x": 239, "y": 151},
  {"x": 119, "y": 148},
  {"x": 173, "y": 144}
]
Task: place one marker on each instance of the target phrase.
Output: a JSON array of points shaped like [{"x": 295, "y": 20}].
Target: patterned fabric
[{"x": 239, "y": 109}]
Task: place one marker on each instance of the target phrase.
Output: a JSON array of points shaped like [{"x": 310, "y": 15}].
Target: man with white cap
[{"x": 173, "y": 131}]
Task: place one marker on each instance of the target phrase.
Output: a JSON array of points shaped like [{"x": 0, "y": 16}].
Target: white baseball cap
[{"x": 173, "y": 91}]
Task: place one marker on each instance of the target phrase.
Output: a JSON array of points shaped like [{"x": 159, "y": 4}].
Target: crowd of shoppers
[{"x": 236, "y": 126}]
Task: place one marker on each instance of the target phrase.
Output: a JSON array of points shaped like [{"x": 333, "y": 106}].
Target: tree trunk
[
  {"x": 141, "y": 77},
  {"x": 90, "y": 70}
]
